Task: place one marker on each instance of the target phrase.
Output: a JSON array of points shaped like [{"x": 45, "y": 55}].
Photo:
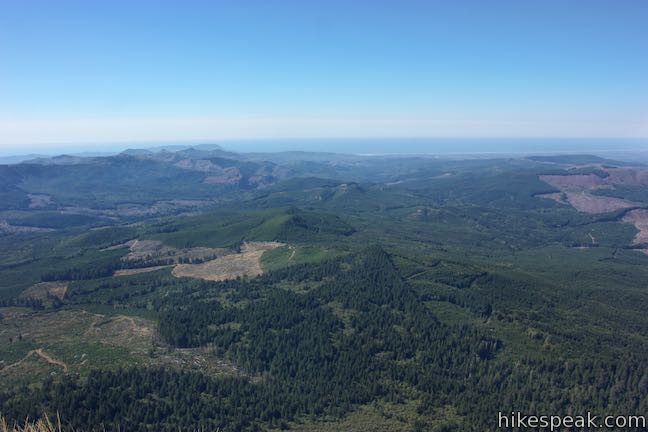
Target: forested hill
[
  {"x": 319, "y": 340},
  {"x": 194, "y": 288}
]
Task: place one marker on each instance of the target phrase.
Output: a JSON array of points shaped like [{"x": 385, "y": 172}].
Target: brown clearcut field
[
  {"x": 639, "y": 218},
  {"x": 54, "y": 342},
  {"x": 588, "y": 203},
  {"x": 134, "y": 271},
  {"x": 576, "y": 189},
  {"x": 13, "y": 229},
  {"x": 41, "y": 290},
  {"x": 39, "y": 200},
  {"x": 559, "y": 197},
  {"x": 41, "y": 344},
  {"x": 583, "y": 181},
  {"x": 215, "y": 264},
  {"x": 231, "y": 266}
]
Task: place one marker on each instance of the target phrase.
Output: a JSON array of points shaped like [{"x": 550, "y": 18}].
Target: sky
[{"x": 92, "y": 73}]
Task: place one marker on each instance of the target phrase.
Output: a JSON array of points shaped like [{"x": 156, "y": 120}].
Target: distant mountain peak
[{"x": 136, "y": 152}]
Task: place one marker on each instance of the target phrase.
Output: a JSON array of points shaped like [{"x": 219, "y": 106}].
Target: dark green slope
[
  {"x": 107, "y": 182},
  {"x": 356, "y": 332},
  {"x": 228, "y": 229},
  {"x": 481, "y": 297}
]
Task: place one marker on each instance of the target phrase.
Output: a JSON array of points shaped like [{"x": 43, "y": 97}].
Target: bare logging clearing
[
  {"x": 245, "y": 263},
  {"x": 43, "y": 290}
]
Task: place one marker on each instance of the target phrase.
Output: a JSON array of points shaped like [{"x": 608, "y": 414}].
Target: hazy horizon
[{"x": 364, "y": 146}]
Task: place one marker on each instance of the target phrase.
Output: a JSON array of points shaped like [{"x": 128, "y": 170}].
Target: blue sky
[{"x": 138, "y": 70}]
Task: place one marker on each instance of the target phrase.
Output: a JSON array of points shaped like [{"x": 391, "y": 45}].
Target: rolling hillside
[{"x": 426, "y": 299}]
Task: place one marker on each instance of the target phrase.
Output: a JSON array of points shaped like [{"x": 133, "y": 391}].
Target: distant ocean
[
  {"x": 481, "y": 147},
  {"x": 443, "y": 146}
]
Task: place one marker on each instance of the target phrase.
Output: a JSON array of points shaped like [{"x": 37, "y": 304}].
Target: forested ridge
[
  {"x": 320, "y": 339},
  {"x": 480, "y": 296}
]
